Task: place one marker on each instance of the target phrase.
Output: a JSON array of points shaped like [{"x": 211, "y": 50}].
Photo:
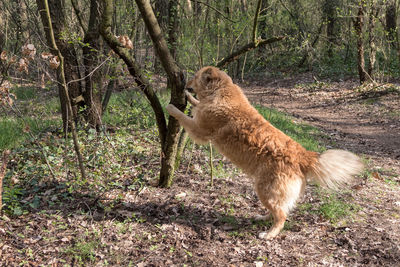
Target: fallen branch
[
  {"x": 2, "y": 174},
  {"x": 246, "y": 48}
]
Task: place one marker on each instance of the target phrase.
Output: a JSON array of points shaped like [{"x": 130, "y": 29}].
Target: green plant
[
  {"x": 83, "y": 251},
  {"x": 12, "y": 194},
  {"x": 334, "y": 208}
]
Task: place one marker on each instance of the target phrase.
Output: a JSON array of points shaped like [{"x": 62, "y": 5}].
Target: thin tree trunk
[
  {"x": 177, "y": 78},
  {"x": 372, "y": 46},
  {"x": 329, "y": 9},
  {"x": 391, "y": 18},
  {"x": 91, "y": 58},
  {"x": 71, "y": 69},
  {"x": 61, "y": 74},
  {"x": 173, "y": 25},
  {"x": 313, "y": 44},
  {"x": 255, "y": 21},
  {"x": 358, "y": 26}
]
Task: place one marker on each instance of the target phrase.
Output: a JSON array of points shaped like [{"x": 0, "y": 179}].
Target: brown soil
[{"x": 194, "y": 224}]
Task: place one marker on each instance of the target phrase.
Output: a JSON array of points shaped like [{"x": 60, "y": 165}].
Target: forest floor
[{"x": 194, "y": 224}]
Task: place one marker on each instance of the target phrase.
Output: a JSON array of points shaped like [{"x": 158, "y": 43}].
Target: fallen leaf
[
  {"x": 376, "y": 175},
  {"x": 3, "y": 56},
  {"x": 54, "y": 62}
]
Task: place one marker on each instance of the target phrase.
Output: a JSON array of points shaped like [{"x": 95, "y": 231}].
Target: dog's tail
[{"x": 334, "y": 168}]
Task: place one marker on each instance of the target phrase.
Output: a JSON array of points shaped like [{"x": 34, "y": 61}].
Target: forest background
[{"x": 83, "y": 129}]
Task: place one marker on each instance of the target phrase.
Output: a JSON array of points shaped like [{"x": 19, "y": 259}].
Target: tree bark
[
  {"x": 173, "y": 25},
  {"x": 391, "y": 18},
  {"x": 177, "y": 79}
]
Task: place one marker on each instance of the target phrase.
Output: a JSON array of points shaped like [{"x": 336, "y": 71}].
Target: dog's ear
[{"x": 211, "y": 74}]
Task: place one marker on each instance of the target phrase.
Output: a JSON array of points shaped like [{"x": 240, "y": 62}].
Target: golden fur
[{"x": 278, "y": 165}]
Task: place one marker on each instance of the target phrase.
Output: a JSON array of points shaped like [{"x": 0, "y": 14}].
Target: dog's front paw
[
  {"x": 187, "y": 94},
  {"x": 172, "y": 110}
]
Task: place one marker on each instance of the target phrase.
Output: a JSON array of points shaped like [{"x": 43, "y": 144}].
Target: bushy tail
[{"x": 334, "y": 168}]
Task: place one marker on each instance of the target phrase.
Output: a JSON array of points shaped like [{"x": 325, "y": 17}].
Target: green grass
[
  {"x": 304, "y": 134},
  {"x": 13, "y": 130},
  {"x": 334, "y": 209},
  {"x": 130, "y": 108},
  {"x": 25, "y": 93},
  {"x": 333, "y": 206},
  {"x": 83, "y": 251}
]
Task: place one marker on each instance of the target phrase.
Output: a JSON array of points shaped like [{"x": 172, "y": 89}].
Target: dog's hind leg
[
  {"x": 279, "y": 199},
  {"x": 279, "y": 216}
]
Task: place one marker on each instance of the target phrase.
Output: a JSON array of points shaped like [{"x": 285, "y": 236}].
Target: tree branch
[
  {"x": 246, "y": 48},
  {"x": 133, "y": 68},
  {"x": 213, "y": 8}
]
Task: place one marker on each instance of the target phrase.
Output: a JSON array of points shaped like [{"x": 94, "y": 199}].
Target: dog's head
[{"x": 207, "y": 80}]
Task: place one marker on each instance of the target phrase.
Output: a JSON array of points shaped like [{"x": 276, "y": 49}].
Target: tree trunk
[
  {"x": 177, "y": 80},
  {"x": 23, "y": 21},
  {"x": 71, "y": 70},
  {"x": 358, "y": 26},
  {"x": 371, "y": 27},
  {"x": 391, "y": 18},
  {"x": 91, "y": 59},
  {"x": 162, "y": 10},
  {"x": 2, "y": 35},
  {"x": 329, "y": 9},
  {"x": 173, "y": 25},
  {"x": 63, "y": 82}
]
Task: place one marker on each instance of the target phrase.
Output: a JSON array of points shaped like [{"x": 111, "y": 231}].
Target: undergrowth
[{"x": 125, "y": 158}]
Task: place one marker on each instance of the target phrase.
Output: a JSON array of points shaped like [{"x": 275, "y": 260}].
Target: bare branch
[
  {"x": 213, "y": 8},
  {"x": 246, "y": 48}
]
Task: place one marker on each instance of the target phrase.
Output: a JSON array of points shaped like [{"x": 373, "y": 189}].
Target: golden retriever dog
[{"x": 278, "y": 165}]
